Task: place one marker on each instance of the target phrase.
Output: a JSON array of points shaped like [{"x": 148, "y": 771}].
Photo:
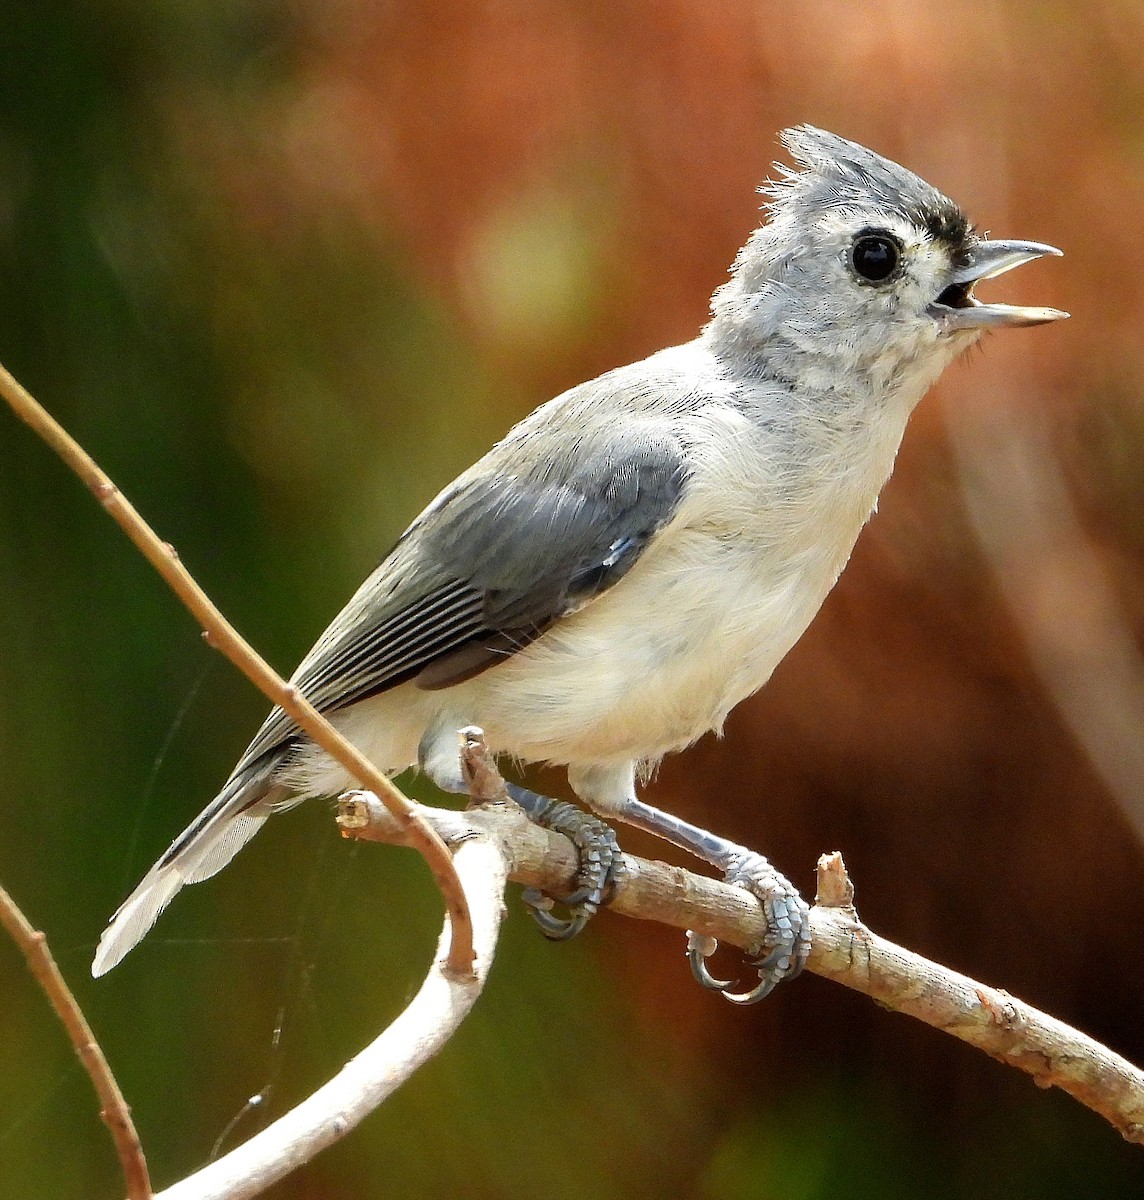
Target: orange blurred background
[{"x": 288, "y": 268}]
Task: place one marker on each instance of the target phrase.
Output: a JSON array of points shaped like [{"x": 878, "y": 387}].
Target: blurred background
[{"x": 285, "y": 268}]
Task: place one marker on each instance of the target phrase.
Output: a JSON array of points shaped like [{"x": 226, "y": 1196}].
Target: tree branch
[
  {"x": 113, "y": 1107},
  {"x": 842, "y": 949},
  {"x": 220, "y": 634},
  {"x": 374, "y": 1074}
]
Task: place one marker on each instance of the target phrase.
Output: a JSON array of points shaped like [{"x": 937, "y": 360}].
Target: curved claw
[
  {"x": 582, "y": 895},
  {"x": 601, "y": 863},
  {"x": 760, "y": 991},
  {"x": 772, "y": 968},
  {"x": 777, "y": 962},
  {"x": 556, "y": 929},
  {"x": 699, "y": 949},
  {"x": 787, "y": 942}
]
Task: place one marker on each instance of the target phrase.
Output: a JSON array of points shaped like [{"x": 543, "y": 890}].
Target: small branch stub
[
  {"x": 484, "y": 781},
  {"x": 835, "y": 890}
]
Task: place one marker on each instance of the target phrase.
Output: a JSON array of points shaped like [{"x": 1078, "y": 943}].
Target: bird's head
[{"x": 863, "y": 268}]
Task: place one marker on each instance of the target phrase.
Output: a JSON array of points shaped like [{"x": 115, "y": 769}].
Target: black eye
[{"x": 875, "y": 256}]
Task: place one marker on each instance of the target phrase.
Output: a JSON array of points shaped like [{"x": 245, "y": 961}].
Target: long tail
[{"x": 215, "y": 836}]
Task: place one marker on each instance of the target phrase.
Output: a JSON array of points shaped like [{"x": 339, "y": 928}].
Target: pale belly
[
  {"x": 643, "y": 670},
  {"x": 651, "y": 666}
]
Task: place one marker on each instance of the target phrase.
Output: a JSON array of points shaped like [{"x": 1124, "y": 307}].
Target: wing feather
[{"x": 515, "y": 544}]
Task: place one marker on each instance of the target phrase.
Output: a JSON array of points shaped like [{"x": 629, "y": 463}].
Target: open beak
[{"x": 958, "y": 309}]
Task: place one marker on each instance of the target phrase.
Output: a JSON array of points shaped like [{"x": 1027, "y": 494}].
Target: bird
[{"x": 636, "y": 556}]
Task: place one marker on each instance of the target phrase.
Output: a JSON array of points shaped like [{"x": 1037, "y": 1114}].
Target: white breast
[{"x": 698, "y": 624}]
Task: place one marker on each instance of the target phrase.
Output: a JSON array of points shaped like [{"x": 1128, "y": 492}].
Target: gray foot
[
  {"x": 787, "y": 942},
  {"x": 600, "y": 863}
]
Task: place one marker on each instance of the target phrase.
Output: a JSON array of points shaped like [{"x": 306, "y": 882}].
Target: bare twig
[
  {"x": 113, "y": 1107},
  {"x": 843, "y": 949},
  {"x": 364, "y": 1082},
  {"x": 222, "y": 636},
  {"x": 1008, "y": 1029}
]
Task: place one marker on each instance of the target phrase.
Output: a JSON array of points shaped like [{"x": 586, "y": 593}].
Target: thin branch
[
  {"x": 843, "y": 949},
  {"x": 1007, "y": 1029},
  {"x": 113, "y": 1108},
  {"x": 364, "y": 1082},
  {"x": 222, "y": 636}
]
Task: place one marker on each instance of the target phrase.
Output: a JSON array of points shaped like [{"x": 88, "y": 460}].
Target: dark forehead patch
[{"x": 946, "y": 224}]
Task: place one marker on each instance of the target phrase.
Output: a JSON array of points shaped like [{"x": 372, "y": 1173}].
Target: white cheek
[{"x": 929, "y": 266}]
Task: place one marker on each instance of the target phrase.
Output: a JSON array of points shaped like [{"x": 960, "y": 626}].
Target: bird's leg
[
  {"x": 784, "y": 949},
  {"x": 600, "y": 862},
  {"x": 600, "y": 856}
]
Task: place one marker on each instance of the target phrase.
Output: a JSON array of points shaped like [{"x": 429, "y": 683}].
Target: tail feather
[
  {"x": 202, "y": 849},
  {"x": 226, "y": 844}
]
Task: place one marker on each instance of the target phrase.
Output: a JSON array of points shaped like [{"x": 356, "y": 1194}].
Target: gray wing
[{"x": 515, "y": 544}]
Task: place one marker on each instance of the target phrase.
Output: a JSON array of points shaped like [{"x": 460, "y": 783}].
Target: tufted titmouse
[{"x": 635, "y": 557}]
